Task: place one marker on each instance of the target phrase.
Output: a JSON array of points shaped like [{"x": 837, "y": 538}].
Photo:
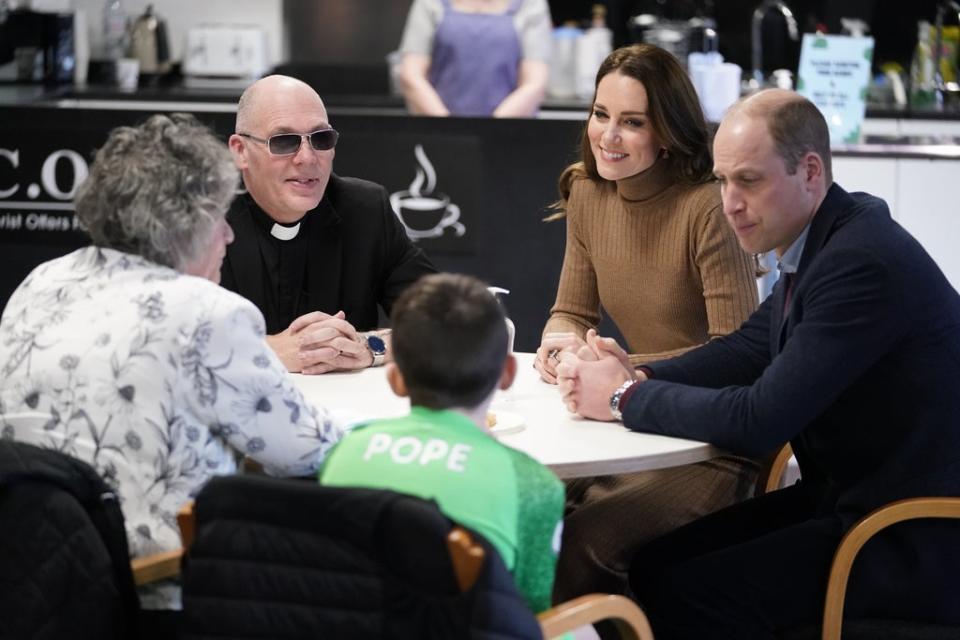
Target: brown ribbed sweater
[{"x": 661, "y": 260}]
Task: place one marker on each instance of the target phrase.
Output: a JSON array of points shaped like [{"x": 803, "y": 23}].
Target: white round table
[{"x": 571, "y": 446}]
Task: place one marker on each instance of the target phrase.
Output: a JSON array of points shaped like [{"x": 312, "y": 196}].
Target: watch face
[{"x": 376, "y": 345}]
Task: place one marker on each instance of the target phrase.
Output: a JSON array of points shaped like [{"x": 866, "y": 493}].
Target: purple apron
[{"x": 475, "y": 59}]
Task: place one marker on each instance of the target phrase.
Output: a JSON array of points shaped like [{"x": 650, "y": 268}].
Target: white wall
[
  {"x": 876, "y": 176},
  {"x": 921, "y": 195},
  {"x": 183, "y": 14},
  {"x": 927, "y": 203}
]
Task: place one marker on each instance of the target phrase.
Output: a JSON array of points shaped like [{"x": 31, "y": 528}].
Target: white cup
[
  {"x": 128, "y": 73},
  {"x": 721, "y": 88},
  {"x": 394, "y": 59}
]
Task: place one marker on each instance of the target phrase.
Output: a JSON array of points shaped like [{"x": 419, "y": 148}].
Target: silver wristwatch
[
  {"x": 377, "y": 347},
  {"x": 615, "y": 399}
]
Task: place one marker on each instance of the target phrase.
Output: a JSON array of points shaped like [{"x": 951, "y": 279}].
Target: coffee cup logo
[{"x": 424, "y": 212}]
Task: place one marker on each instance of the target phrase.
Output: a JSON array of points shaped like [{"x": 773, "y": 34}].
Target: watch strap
[{"x": 617, "y": 396}]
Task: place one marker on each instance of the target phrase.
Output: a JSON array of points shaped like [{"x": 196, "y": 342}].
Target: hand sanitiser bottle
[
  {"x": 511, "y": 328},
  {"x": 593, "y": 47},
  {"x": 114, "y": 30}
]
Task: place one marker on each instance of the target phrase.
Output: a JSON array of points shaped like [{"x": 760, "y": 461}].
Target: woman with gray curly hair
[
  {"x": 128, "y": 355},
  {"x": 160, "y": 191}
]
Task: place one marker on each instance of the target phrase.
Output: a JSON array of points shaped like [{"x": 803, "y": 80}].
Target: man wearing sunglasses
[{"x": 315, "y": 252}]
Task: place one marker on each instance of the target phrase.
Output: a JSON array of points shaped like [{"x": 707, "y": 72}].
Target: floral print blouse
[{"x": 158, "y": 379}]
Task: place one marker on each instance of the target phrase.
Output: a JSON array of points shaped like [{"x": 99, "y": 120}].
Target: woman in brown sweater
[{"x": 647, "y": 242}]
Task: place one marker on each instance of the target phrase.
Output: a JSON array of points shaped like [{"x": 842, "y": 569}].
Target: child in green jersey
[{"x": 450, "y": 356}]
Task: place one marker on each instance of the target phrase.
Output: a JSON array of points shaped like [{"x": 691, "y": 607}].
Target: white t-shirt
[{"x": 532, "y": 21}]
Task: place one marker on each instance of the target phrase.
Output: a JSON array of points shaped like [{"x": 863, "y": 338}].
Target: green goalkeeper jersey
[{"x": 505, "y": 495}]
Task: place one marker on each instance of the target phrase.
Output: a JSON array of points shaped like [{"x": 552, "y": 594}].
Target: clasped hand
[
  {"x": 548, "y": 355},
  {"x": 589, "y": 375},
  {"x": 317, "y": 342}
]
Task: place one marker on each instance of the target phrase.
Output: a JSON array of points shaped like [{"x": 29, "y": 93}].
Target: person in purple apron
[{"x": 475, "y": 57}]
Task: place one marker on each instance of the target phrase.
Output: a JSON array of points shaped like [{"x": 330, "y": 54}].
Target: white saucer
[{"x": 507, "y": 423}]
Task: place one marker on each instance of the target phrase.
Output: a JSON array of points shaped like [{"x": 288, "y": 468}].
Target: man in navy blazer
[{"x": 854, "y": 359}]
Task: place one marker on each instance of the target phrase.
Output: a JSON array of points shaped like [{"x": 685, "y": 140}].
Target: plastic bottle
[
  {"x": 563, "y": 63},
  {"x": 511, "y": 328},
  {"x": 592, "y": 48},
  {"x": 921, "y": 69},
  {"x": 81, "y": 47},
  {"x": 114, "y": 30}
]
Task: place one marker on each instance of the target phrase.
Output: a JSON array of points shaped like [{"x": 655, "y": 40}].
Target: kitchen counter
[
  {"x": 874, "y": 110},
  {"x": 359, "y": 96},
  {"x": 948, "y": 112},
  {"x": 923, "y": 147}
]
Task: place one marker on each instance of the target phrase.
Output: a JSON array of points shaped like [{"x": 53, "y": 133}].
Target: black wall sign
[
  {"x": 472, "y": 192},
  {"x": 433, "y": 180}
]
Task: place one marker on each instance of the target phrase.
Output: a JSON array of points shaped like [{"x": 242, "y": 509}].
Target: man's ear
[
  {"x": 812, "y": 166},
  {"x": 509, "y": 372},
  {"x": 238, "y": 149},
  {"x": 396, "y": 381}
]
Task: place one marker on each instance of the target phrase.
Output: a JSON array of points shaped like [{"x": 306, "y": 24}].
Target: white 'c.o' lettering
[
  {"x": 14, "y": 158},
  {"x": 48, "y": 173}
]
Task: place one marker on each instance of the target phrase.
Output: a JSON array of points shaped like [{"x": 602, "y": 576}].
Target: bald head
[
  {"x": 285, "y": 185},
  {"x": 794, "y": 123},
  {"x": 763, "y": 103},
  {"x": 265, "y": 93}
]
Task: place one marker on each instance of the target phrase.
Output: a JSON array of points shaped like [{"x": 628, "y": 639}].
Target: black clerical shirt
[
  {"x": 284, "y": 262},
  {"x": 351, "y": 254}
]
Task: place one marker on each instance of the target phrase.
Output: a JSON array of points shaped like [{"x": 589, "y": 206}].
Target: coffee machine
[{"x": 37, "y": 47}]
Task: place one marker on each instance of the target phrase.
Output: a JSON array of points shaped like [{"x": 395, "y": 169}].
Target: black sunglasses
[{"x": 285, "y": 144}]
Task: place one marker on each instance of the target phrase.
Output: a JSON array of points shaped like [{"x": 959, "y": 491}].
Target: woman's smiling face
[{"x": 621, "y": 139}]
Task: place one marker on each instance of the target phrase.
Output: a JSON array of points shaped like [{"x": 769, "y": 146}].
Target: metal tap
[
  {"x": 939, "y": 85},
  {"x": 755, "y": 36}
]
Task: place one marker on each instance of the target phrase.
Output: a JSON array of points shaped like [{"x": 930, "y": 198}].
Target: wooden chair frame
[
  {"x": 859, "y": 534},
  {"x": 467, "y": 558},
  {"x": 160, "y": 566},
  {"x": 771, "y": 475},
  {"x": 630, "y": 621}
]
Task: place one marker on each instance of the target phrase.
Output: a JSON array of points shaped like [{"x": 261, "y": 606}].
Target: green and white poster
[{"x": 834, "y": 74}]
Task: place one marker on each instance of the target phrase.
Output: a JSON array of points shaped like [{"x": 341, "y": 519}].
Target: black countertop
[{"x": 176, "y": 91}]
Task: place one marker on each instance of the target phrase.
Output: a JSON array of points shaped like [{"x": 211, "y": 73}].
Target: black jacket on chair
[
  {"x": 64, "y": 561},
  {"x": 291, "y": 559}
]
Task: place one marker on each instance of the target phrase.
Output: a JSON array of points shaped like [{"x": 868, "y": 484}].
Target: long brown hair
[{"x": 674, "y": 112}]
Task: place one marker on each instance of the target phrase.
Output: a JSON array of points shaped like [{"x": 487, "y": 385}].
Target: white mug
[{"x": 128, "y": 73}]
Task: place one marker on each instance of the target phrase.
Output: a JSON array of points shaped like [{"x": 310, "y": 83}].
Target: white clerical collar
[{"x": 281, "y": 232}]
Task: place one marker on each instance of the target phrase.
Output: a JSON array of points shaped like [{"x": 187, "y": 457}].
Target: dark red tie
[{"x": 788, "y": 284}]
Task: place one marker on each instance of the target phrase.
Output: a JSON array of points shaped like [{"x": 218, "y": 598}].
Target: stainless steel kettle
[{"x": 149, "y": 44}]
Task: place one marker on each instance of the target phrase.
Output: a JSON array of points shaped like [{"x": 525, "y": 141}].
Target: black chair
[
  {"x": 64, "y": 560},
  {"x": 287, "y": 559}
]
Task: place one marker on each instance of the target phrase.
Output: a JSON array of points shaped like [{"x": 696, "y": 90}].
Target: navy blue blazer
[{"x": 862, "y": 375}]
